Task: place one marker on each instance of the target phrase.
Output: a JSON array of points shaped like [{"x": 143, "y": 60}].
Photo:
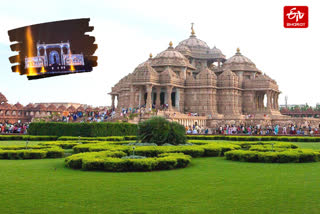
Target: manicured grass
[{"x": 209, "y": 185}]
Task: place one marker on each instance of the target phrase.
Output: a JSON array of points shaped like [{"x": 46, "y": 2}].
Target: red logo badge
[{"x": 295, "y": 16}]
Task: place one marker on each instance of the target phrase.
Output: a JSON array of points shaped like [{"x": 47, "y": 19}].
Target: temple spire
[
  {"x": 150, "y": 56},
  {"x": 192, "y": 30},
  {"x": 238, "y": 50},
  {"x": 170, "y": 44}
]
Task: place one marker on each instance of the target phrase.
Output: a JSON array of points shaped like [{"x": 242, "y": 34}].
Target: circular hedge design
[
  {"x": 112, "y": 161},
  {"x": 31, "y": 152}
]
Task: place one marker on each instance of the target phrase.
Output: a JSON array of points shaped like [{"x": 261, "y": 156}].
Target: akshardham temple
[{"x": 192, "y": 77}]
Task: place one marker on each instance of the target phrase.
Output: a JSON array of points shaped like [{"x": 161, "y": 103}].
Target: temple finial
[
  {"x": 170, "y": 44},
  {"x": 238, "y": 50},
  {"x": 192, "y": 30},
  {"x": 150, "y": 56}
]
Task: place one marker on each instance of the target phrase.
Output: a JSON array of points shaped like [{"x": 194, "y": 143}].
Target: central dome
[{"x": 193, "y": 42}]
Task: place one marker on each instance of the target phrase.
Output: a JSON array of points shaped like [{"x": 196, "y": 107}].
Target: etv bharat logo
[{"x": 295, "y": 16}]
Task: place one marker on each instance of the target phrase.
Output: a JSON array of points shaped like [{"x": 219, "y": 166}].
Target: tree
[{"x": 158, "y": 130}]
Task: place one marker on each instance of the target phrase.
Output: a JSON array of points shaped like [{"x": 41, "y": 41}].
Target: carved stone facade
[{"x": 192, "y": 77}]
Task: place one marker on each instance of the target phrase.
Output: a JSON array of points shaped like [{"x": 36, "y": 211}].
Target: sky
[{"x": 128, "y": 31}]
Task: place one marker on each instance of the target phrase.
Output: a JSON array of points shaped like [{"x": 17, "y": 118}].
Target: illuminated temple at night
[{"x": 194, "y": 78}]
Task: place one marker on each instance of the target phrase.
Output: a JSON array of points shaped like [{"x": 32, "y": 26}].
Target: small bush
[{"x": 158, "y": 130}]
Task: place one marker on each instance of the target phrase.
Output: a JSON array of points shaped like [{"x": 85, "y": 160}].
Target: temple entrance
[
  {"x": 162, "y": 98},
  {"x": 173, "y": 99},
  {"x": 54, "y": 58}
]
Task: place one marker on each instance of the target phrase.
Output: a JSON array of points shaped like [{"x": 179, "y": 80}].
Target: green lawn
[{"x": 208, "y": 185}]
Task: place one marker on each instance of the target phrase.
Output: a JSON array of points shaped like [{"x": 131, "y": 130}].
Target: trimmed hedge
[
  {"x": 62, "y": 144},
  {"x": 288, "y": 156},
  {"x": 101, "y": 129},
  {"x": 34, "y": 153},
  {"x": 111, "y": 138},
  {"x": 254, "y": 138},
  {"x": 27, "y": 137},
  {"x": 275, "y": 147},
  {"x": 210, "y": 150},
  {"x": 111, "y": 161},
  {"x": 247, "y": 145}
]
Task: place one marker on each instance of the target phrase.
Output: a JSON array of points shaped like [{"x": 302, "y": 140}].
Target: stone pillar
[
  {"x": 158, "y": 97},
  {"x": 273, "y": 101},
  {"x": 140, "y": 95},
  {"x": 269, "y": 100},
  {"x": 117, "y": 100},
  {"x": 169, "y": 91},
  {"x": 149, "y": 99},
  {"x": 277, "y": 99},
  {"x": 112, "y": 104},
  {"x": 131, "y": 99}
]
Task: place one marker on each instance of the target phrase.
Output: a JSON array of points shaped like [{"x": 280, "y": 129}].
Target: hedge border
[
  {"x": 95, "y": 129},
  {"x": 288, "y": 156},
  {"x": 254, "y": 138},
  {"x": 110, "y": 161},
  {"x": 32, "y": 152}
]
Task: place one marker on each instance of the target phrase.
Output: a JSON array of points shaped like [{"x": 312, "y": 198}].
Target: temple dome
[
  {"x": 19, "y": 106},
  {"x": 184, "y": 50},
  {"x": 71, "y": 109},
  {"x": 217, "y": 53},
  {"x": 228, "y": 79},
  {"x": 3, "y": 99},
  {"x": 170, "y": 57},
  {"x": 238, "y": 62},
  {"x": 145, "y": 73},
  {"x": 51, "y": 107},
  {"x": 193, "y": 42}
]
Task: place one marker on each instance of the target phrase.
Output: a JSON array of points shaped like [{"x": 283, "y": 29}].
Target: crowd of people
[
  {"x": 256, "y": 130},
  {"x": 17, "y": 128},
  {"x": 88, "y": 117}
]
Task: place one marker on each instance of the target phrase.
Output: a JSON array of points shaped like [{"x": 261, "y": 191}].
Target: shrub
[
  {"x": 248, "y": 144},
  {"x": 254, "y": 138},
  {"x": 33, "y": 152},
  {"x": 22, "y": 154},
  {"x": 288, "y": 156},
  {"x": 75, "y": 161},
  {"x": 101, "y": 129},
  {"x": 54, "y": 152},
  {"x": 27, "y": 137},
  {"x": 110, "y": 161},
  {"x": 209, "y": 150},
  {"x": 81, "y": 139},
  {"x": 158, "y": 130},
  {"x": 62, "y": 144}
]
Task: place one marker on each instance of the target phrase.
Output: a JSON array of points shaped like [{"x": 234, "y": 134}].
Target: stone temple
[{"x": 194, "y": 78}]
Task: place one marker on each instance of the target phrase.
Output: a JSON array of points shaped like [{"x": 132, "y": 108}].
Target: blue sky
[{"x": 127, "y": 31}]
